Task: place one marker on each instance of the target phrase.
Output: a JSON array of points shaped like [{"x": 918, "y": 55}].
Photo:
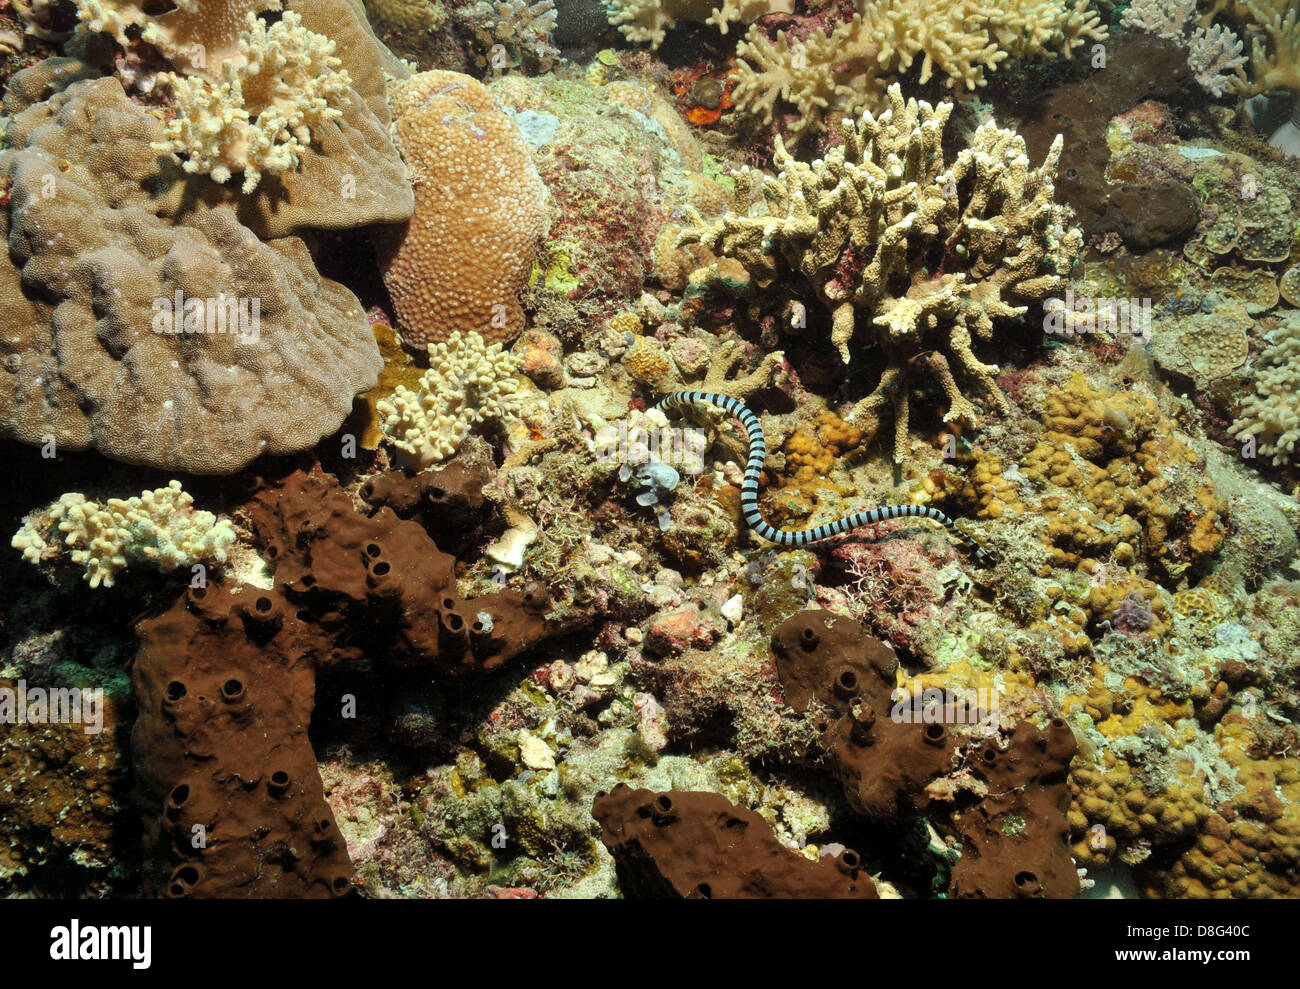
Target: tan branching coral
[
  {"x": 159, "y": 527},
  {"x": 650, "y": 20},
  {"x": 931, "y": 253},
  {"x": 1271, "y": 414},
  {"x": 260, "y": 117},
  {"x": 468, "y": 383},
  {"x": 846, "y": 70},
  {"x": 147, "y": 323}
]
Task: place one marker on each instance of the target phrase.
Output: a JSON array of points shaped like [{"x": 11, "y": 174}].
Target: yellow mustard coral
[
  {"x": 480, "y": 213},
  {"x": 260, "y": 117},
  {"x": 159, "y": 527},
  {"x": 1132, "y": 489},
  {"x": 468, "y": 383},
  {"x": 854, "y": 222}
]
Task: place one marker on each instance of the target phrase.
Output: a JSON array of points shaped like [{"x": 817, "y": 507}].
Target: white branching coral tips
[
  {"x": 891, "y": 236},
  {"x": 159, "y": 527},
  {"x": 468, "y": 382},
  {"x": 846, "y": 69},
  {"x": 260, "y": 118},
  {"x": 197, "y": 36},
  {"x": 1270, "y": 416},
  {"x": 649, "y": 20}
]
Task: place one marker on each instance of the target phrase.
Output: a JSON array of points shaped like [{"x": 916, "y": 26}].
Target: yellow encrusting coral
[{"x": 159, "y": 527}]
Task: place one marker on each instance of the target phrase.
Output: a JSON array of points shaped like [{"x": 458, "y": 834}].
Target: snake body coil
[{"x": 749, "y": 489}]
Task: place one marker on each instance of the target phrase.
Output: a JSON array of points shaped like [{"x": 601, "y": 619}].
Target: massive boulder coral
[
  {"x": 845, "y": 71},
  {"x": 684, "y": 845},
  {"x": 159, "y": 527},
  {"x": 937, "y": 252},
  {"x": 106, "y": 239},
  {"x": 480, "y": 213}
]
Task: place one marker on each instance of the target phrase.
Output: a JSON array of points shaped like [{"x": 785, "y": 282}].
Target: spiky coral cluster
[
  {"x": 649, "y": 20},
  {"x": 866, "y": 225},
  {"x": 159, "y": 527},
  {"x": 1213, "y": 53},
  {"x": 846, "y": 70},
  {"x": 260, "y": 117},
  {"x": 467, "y": 383},
  {"x": 1271, "y": 415},
  {"x": 198, "y": 36}
]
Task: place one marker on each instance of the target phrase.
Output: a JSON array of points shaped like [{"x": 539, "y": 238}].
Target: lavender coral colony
[{"x": 773, "y": 449}]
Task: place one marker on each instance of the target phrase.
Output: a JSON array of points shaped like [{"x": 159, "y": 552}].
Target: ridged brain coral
[{"x": 480, "y": 213}]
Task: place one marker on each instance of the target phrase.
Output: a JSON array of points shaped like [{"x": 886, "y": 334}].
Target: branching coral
[
  {"x": 197, "y": 36},
  {"x": 159, "y": 527},
  {"x": 846, "y": 70},
  {"x": 1271, "y": 415},
  {"x": 467, "y": 383},
  {"x": 936, "y": 252},
  {"x": 261, "y": 116},
  {"x": 650, "y": 20}
]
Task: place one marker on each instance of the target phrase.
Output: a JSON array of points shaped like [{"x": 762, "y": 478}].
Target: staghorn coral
[
  {"x": 159, "y": 527},
  {"x": 100, "y": 356},
  {"x": 261, "y": 116},
  {"x": 1214, "y": 53},
  {"x": 522, "y": 29},
  {"x": 846, "y": 71},
  {"x": 650, "y": 20},
  {"x": 480, "y": 213},
  {"x": 467, "y": 383},
  {"x": 1271, "y": 413},
  {"x": 199, "y": 36},
  {"x": 936, "y": 252}
]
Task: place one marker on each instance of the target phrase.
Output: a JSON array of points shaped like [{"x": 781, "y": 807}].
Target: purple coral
[{"x": 1132, "y": 615}]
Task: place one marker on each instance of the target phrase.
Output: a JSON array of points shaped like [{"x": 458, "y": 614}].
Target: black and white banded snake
[{"x": 757, "y": 457}]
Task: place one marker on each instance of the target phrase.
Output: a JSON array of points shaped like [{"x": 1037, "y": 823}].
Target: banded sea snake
[{"x": 757, "y": 457}]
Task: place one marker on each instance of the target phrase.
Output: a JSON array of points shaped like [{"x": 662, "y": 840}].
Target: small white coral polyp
[
  {"x": 159, "y": 527},
  {"x": 468, "y": 382},
  {"x": 260, "y": 117}
]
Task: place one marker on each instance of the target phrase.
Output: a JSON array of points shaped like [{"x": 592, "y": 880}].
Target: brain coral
[
  {"x": 480, "y": 213},
  {"x": 103, "y": 238}
]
